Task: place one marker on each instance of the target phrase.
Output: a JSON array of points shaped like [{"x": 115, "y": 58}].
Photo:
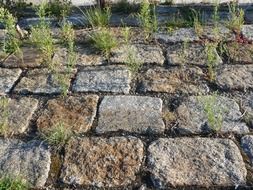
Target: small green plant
[
  {"x": 197, "y": 25},
  {"x": 236, "y": 18},
  {"x": 216, "y": 20},
  {"x": 126, "y": 32},
  {"x": 11, "y": 43},
  {"x": 57, "y": 7},
  {"x": 58, "y": 134},
  {"x": 98, "y": 17},
  {"x": 212, "y": 59},
  {"x": 213, "y": 111},
  {"x": 183, "y": 52},
  {"x": 132, "y": 61},
  {"x": 147, "y": 19},
  {"x": 41, "y": 36},
  {"x": 4, "y": 115},
  {"x": 11, "y": 183},
  {"x": 104, "y": 41}
]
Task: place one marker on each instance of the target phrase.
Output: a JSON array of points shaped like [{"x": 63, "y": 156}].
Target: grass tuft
[
  {"x": 104, "y": 41},
  {"x": 98, "y": 18},
  {"x": 57, "y": 135},
  {"x": 236, "y": 18},
  {"x": 11, "y": 183}
]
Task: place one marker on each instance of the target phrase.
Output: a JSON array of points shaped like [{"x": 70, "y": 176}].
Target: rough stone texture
[
  {"x": 77, "y": 113},
  {"x": 2, "y": 34},
  {"x": 144, "y": 53},
  {"x": 40, "y": 81},
  {"x": 189, "y": 54},
  {"x": 103, "y": 79},
  {"x": 219, "y": 33},
  {"x": 31, "y": 58},
  {"x": 87, "y": 56},
  {"x": 102, "y": 162},
  {"x": 240, "y": 53},
  {"x": 27, "y": 23},
  {"x": 186, "y": 80},
  {"x": 247, "y": 32},
  {"x": 235, "y": 77},
  {"x": 247, "y": 107},
  {"x": 30, "y": 161},
  {"x": 139, "y": 114},
  {"x": 192, "y": 118},
  {"x": 247, "y": 146},
  {"x": 179, "y": 35},
  {"x": 195, "y": 162},
  {"x": 20, "y": 113},
  {"x": 7, "y": 79}
]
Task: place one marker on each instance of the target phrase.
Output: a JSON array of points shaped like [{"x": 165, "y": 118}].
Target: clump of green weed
[
  {"x": 11, "y": 43},
  {"x": 212, "y": 59},
  {"x": 57, "y": 135},
  {"x": 197, "y": 25},
  {"x": 4, "y": 115},
  {"x": 132, "y": 61},
  {"x": 236, "y": 18},
  {"x": 147, "y": 18},
  {"x": 213, "y": 111},
  {"x": 11, "y": 183},
  {"x": 98, "y": 17},
  {"x": 41, "y": 36},
  {"x": 57, "y": 7},
  {"x": 104, "y": 41}
]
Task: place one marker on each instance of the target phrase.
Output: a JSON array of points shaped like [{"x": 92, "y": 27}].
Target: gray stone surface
[
  {"x": 144, "y": 53},
  {"x": 140, "y": 114},
  {"x": 247, "y": 107},
  {"x": 31, "y": 57},
  {"x": 186, "y": 80},
  {"x": 247, "y": 146},
  {"x": 103, "y": 79},
  {"x": 20, "y": 112},
  {"x": 190, "y": 54},
  {"x": 235, "y": 77},
  {"x": 76, "y": 113},
  {"x": 179, "y": 35},
  {"x": 7, "y": 79},
  {"x": 241, "y": 53},
  {"x": 247, "y": 32},
  {"x": 101, "y": 162},
  {"x": 201, "y": 162},
  {"x": 87, "y": 56},
  {"x": 193, "y": 118},
  {"x": 41, "y": 81},
  {"x": 217, "y": 34},
  {"x": 30, "y": 161}
]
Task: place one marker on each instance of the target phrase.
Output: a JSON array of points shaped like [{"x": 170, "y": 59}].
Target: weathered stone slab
[
  {"x": 186, "y": 80},
  {"x": 190, "y": 54},
  {"x": 138, "y": 114},
  {"x": 144, "y": 53},
  {"x": 42, "y": 81},
  {"x": 240, "y": 53},
  {"x": 193, "y": 116},
  {"x": 179, "y": 35},
  {"x": 7, "y": 79},
  {"x": 30, "y": 161},
  {"x": 103, "y": 79},
  {"x": 201, "y": 162},
  {"x": 247, "y": 32},
  {"x": 27, "y": 23},
  {"x": 76, "y": 113},
  {"x": 218, "y": 33},
  {"x": 102, "y": 162},
  {"x": 235, "y": 77},
  {"x": 2, "y": 34},
  {"x": 88, "y": 57},
  {"x": 247, "y": 146},
  {"x": 31, "y": 57},
  {"x": 247, "y": 107},
  {"x": 20, "y": 113}
]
